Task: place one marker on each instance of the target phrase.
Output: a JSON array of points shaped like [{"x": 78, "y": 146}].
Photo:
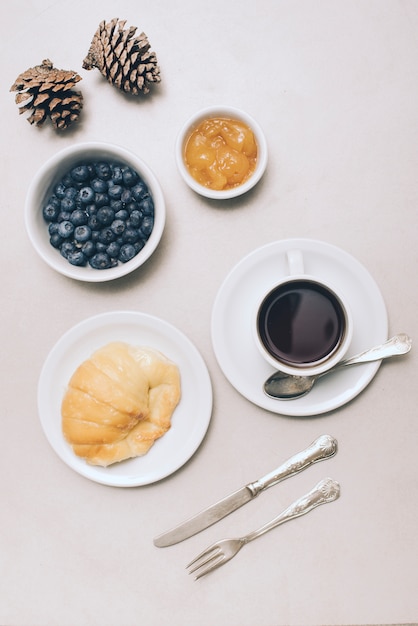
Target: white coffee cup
[{"x": 303, "y": 324}]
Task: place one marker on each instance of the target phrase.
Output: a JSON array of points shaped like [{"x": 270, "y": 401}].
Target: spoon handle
[{"x": 399, "y": 344}]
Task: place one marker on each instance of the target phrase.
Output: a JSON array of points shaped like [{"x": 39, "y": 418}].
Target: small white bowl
[
  {"x": 232, "y": 113},
  {"x": 52, "y": 172}
]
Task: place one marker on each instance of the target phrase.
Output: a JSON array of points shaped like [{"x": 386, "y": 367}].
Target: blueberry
[
  {"x": 100, "y": 246},
  {"x": 132, "y": 206},
  {"x": 79, "y": 217},
  {"x": 130, "y": 177},
  {"x": 67, "y": 204},
  {"x": 106, "y": 236},
  {"x": 91, "y": 209},
  {"x": 115, "y": 192},
  {"x": 117, "y": 176},
  {"x": 127, "y": 252},
  {"x": 67, "y": 181},
  {"x": 122, "y": 214},
  {"x": 55, "y": 240},
  {"x": 100, "y": 261},
  {"x": 98, "y": 185},
  {"x": 147, "y": 206},
  {"x": 101, "y": 199},
  {"x": 71, "y": 192},
  {"x": 113, "y": 249},
  {"x": 147, "y": 226},
  {"x": 138, "y": 245},
  {"x": 135, "y": 219},
  {"x": 93, "y": 222},
  {"x": 103, "y": 170},
  {"x": 50, "y": 212},
  {"x": 76, "y": 258},
  {"x": 60, "y": 190},
  {"x": 130, "y": 235},
  {"x": 86, "y": 195},
  {"x": 54, "y": 200},
  {"x": 80, "y": 173},
  {"x": 118, "y": 226},
  {"x": 105, "y": 215},
  {"x": 66, "y": 229},
  {"x": 126, "y": 196},
  {"x": 140, "y": 190},
  {"x": 63, "y": 215},
  {"x": 53, "y": 228},
  {"x": 116, "y": 205},
  {"x": 67, "y": 248},
  {"x": 88, "y": 248},
  {"x": 82, "y": 233}
]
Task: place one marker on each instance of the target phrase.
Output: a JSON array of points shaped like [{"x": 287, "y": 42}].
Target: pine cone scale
[
  {"x": 38, "y": 117},
  {"x": 23, "y": 96},
  {"x": 40, "y": 99}
]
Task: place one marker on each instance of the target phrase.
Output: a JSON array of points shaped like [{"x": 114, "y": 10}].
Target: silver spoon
[{"x": 287, "y": 387}]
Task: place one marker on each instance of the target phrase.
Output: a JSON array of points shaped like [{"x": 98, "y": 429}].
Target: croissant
[{"x": 118, "y": 402}]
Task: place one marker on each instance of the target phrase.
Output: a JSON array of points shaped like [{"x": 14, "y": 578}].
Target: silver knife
[{"x": 322, "y": 448}]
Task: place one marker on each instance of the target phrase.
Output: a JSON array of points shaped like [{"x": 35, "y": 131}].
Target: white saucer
[
  {"x": 190, "y": 419},
  {"x": 232, "y": 339}
]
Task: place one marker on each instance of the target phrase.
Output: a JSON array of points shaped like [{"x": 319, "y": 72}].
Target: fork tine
[
  {"x": 207, "y": 553},
  {"x": 206, "y": 557},
  {"x": 212, "y": 563},
  {"x": 206, "y": 561},
  {"x": 209, "y": 568}
]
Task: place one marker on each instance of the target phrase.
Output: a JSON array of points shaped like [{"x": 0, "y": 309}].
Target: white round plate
[
  {"x": 190, "y": 419},
  {"x": 232, "y": 313}
]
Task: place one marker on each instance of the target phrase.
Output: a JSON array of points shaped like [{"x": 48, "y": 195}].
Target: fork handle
[{"x": 327, "y": 490}]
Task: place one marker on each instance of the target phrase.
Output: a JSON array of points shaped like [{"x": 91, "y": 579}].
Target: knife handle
[{"x": 322, "y": 448}]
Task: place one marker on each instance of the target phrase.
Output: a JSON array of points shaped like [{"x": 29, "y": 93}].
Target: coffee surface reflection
[{"x": 301, "y": 322}]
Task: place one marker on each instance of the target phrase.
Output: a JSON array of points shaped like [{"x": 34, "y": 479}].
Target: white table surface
[{"x": 334, "y": 85}]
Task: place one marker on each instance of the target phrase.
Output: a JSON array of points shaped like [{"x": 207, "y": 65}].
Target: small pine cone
[
  {"x": 125, "y": 60},
  {"x": 49, "y": 92}
]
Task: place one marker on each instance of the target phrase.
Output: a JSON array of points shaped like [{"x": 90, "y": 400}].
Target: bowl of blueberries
[{"x": 95, "y": 212}]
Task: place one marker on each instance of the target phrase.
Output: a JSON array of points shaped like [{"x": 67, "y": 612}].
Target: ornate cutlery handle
[
  {"x": 327, "y": 490},
  {"x": 399, "y": 344},
  {"x": 322, "y": 448}
]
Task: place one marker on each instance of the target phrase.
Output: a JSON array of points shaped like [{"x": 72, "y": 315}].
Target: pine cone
[
  {"x": 49, "y": 92},
  {"x": 125, "y": 60}
]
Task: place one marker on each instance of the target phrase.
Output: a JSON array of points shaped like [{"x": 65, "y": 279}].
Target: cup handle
[{"x": 295, "y": 262}]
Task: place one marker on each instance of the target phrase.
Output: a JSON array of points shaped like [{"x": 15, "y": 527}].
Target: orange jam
[{"x": 221, "y": 153}]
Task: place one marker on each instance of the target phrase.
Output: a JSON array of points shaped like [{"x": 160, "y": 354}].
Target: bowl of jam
[{"x": 221, "y": 152}]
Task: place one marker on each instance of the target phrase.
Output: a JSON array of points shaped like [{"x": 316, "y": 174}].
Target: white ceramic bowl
[
  {"x": 48, "y": 176},
  {"x": 232, "y": 113}
]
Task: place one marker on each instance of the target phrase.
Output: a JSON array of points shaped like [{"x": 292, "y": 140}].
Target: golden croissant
[{"x": 118, "y": 402}]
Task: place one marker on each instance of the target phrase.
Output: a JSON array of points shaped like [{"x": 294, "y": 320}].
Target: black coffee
[{"x": 301, "y": 322}]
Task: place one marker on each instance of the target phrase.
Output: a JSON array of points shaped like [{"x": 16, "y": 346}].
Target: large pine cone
[
  {"x": 49, "y": 92},
  {"x": 125, "y": 60}
]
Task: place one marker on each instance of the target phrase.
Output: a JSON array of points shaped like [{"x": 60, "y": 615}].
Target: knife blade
[{"x": 322, "y": 448}]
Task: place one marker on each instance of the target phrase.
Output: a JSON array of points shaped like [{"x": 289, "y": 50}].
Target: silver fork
[{"x": 219, "y": 553}]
